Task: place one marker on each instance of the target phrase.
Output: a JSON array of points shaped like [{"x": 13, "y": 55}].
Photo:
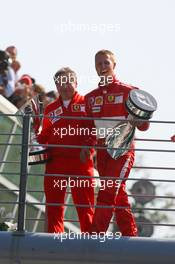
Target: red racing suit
[
  {"x": 57, "y": 130},
  {"x": 109, "y": 102}
]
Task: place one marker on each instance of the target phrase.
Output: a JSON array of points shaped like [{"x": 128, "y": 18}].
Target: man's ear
[{"x": 114, "y": 65}]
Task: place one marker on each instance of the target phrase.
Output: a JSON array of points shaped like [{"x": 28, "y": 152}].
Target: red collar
[{"x": 72, "y": 100}]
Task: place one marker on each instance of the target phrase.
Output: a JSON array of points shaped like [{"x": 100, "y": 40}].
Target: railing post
[{"x": 24, "y": 169}]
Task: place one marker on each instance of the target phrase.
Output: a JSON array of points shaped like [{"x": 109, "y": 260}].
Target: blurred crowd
[{"x": 20, "y": 89}]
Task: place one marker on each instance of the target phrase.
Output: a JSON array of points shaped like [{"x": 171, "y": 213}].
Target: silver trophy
[
  {"x": 37, "y": 153},
  {"x": 140, "y": 105}
]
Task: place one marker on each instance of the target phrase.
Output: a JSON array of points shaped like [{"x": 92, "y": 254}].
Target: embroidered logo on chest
[
  {"x": 91, "y": 101},
  {"x": 98, "y": 100},
  {"x": 58, "y": 111},
  {"x": 78, "y": 108},
  {"x": 114, "y": 99}
]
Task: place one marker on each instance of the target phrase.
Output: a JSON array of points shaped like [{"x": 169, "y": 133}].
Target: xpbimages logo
[
  {"x": 90, "y": 79},
  {"x": 79, "y": 182},
  {"x": 101, "y": 237},
  {"x": 101, "y": 132},
  {"x": 96, "y": 28}
]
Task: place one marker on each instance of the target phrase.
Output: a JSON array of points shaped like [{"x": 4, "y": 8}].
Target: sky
[{"x": 51, "y": 34}]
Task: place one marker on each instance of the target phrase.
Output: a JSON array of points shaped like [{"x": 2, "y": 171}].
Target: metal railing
[
  {"x": 24, "y": 174},
  {"x": 155, "y": 247}
]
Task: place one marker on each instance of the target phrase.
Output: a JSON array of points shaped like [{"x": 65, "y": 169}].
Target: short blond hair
[
  {"x": 106, "y": 52},
  {"x": 64, "y": 71}
]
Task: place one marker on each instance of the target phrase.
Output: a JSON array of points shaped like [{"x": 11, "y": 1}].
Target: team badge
[
  {"x": 76, "y": 108},
  {"x": 114, "y": 99},
  {"x": 110, "y": 99},
  {"x": 99, "y": 100}
]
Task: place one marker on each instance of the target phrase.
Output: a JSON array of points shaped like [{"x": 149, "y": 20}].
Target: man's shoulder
[
  {"x": 52, "y": 106},
  {"x": 80, "y": 98},
  {"x": 93, "y": 92},
  {"x": 126, "y": 86}
]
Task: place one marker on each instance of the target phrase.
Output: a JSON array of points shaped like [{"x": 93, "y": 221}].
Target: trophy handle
[{"x": 36, "y": 111}]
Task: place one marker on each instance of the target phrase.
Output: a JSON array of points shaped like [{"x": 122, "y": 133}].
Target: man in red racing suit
[
  {"x": 107, "y": 101},
  {"x": 60, "y": 131}
]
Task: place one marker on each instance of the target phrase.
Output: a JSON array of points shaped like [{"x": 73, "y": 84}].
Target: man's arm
[
  {"x": 143, "y": 126},
  {"x": 89, "y": 140},
  {"x": 10, "y": 87}
]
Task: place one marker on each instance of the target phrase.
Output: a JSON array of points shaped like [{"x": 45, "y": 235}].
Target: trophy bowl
[
  {"x": 141, "y": 104},
  {"x": 37, "y": 153}
]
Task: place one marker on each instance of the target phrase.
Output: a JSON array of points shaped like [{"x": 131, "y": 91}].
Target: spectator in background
[
  {"x": 50, "y": 97},
  {"x": 39, "y": 91},
  {"x": 15, "y": 64},
  {"x": 12, "y": 52},
  {"x": 19, "y": 91},
  {"x": 7, "y": 76},
  {"x": 32, "y": 79},
  {"x": 25, "y": 82},
  {"x": 23, "y": 91}
]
